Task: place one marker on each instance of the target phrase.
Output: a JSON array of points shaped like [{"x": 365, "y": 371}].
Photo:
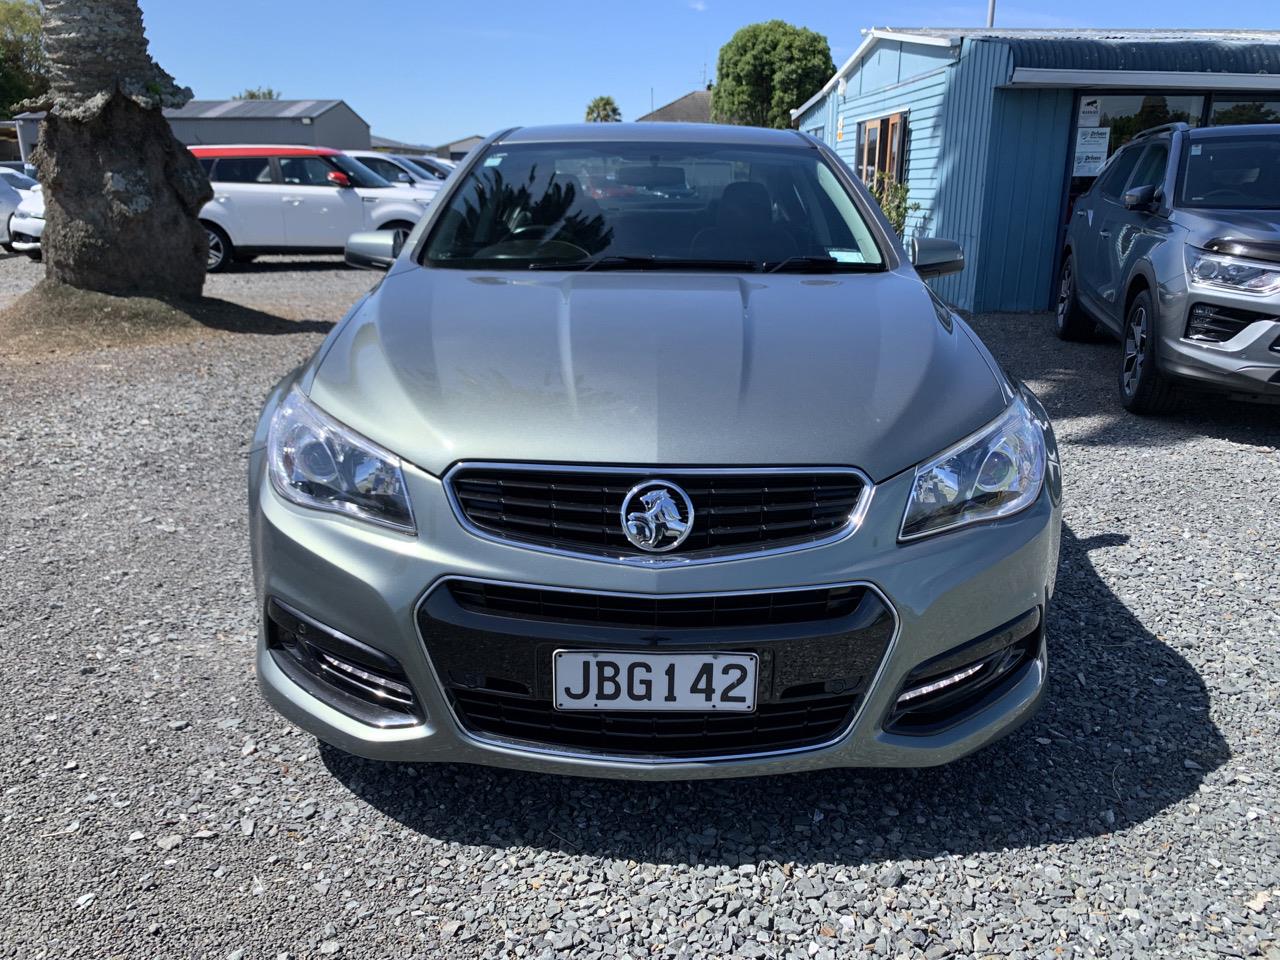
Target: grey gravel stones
[{"x": 1137, "y": 815}]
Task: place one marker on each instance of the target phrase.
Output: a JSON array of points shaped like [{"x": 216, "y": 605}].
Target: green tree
[
  {"x": 23, "y": 69},
  {"x": 603, "y": 110},
  {"x": 767, "y": 69},
  {"x": 257, "y": 93}
]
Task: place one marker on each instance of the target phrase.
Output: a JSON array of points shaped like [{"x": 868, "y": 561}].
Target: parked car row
[{"x": 270, "y": 199}]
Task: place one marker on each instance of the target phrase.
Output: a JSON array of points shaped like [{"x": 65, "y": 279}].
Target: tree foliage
[
  {"x": 766, "y": 70},
  {"x": 257, "y": 93},
  {"x": 23, "y": 68},
  {"x": 603, "y": 110}
]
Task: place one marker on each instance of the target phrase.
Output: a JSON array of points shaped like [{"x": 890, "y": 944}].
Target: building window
[
  {"x": 1237, "y": 109},
  {"x": 882, "y": 147}
]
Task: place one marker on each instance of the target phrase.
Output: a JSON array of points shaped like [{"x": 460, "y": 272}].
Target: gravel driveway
[{"x": 153, "y": 805}]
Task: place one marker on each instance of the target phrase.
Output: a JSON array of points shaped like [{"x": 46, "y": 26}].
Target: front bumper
[
  {"x": 25, "y": 233},
  {"x": 370, "y": 584},
  {"x": 1247, "y": 363}
]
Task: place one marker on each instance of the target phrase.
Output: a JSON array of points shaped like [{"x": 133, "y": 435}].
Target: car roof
[
  {"x": 262, "y": 150},
  {"x": 1237, "y": 130},
  {"x": 653, "y": 132}
]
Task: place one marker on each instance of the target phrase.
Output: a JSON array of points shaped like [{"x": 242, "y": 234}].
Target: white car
[
  {"x": 19, "y": 181},
  {"x": 292, "y": 199},
  {"x": 21, "y": 220},
  {"x": 399, "y": 169}
]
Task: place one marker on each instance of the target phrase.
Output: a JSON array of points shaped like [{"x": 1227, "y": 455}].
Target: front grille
[
  {"x": 492, "y": 646},
  {"x": 656, "y": 612},
  {"x": 734, "y": 512},
  {"x": 774, "y": 726}
]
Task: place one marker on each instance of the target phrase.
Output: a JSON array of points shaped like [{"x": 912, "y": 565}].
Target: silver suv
[{"x": 1175, "y": 249}]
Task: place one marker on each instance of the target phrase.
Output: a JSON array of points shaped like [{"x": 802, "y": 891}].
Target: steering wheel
[{"x": 528, "y": 248}]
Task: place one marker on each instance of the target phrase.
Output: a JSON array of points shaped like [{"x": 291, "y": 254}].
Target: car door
[
  {"x": 247, "y": 199},
  {"x": 1098, "y": 209},
  {"x": 318, "y": 214},
  {"x": 1122, "y": 229}
]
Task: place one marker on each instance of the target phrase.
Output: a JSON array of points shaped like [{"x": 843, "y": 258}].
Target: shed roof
[
  {"x": 693, "y": 107},
  {"x": 1241, "y": 52},
  {"x": 251, "y": 109}
]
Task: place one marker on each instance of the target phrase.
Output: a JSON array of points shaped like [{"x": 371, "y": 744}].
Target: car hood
[
  {"x": 1207, "y": 225},
  {"x": 32, "y": 205},
  {"x": 643, "y": 368},
  {"x": 403, "y": 194}
]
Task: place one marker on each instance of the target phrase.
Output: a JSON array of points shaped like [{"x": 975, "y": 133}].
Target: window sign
[
  {"x": 1090, "y": 112},
  {"x": 1091, "y": 150}
]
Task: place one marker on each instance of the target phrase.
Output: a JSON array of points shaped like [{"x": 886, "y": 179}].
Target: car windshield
[
  {"x": 360, "y": 175},
  {"x": 422, "y": 168},
  {"x": 18, "y": 180},
  {"x": 641, "y": 205},
  {"x": 1231, "y": 173}
]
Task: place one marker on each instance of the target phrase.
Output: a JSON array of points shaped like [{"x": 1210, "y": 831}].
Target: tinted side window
[
  {"x": 383, "y": 168},
  {"x": 1113, "y": 180},
  {"x": 305, "y": 171},
  {"x": 1151, "y": 169},
  {"x": 242, "y": 170},
  {"x": 207, "y": 164}
]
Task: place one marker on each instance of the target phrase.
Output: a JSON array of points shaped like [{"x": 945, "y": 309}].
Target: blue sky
[{"x": 435, "y": 72}]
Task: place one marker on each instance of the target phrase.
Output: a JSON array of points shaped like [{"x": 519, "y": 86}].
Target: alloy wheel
[
  {"x": 216, "y": 251},
  {"x": 1135, "y": 349},
  {"x": 1064, "y": 294}
]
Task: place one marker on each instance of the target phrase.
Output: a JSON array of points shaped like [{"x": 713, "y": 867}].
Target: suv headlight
[
  {"x": 1231, "y": 273},
  {"x": 993, "y": 473},
  {"x": 315, "y": 461}
]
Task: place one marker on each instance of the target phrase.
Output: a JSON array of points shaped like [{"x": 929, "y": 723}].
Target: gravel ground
[{"x": 153, "y": 805}]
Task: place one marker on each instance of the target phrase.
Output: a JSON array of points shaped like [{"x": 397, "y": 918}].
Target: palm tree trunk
[{"x": 121, "y": 193}]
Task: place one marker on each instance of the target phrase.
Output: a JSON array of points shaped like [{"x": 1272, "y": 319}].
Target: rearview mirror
[
  {"x": 1140, "y": 198},
  {"x": 934, "y": 257},
  {"x": 376, "y": 250},
  {"x": 338, "y": 178}
]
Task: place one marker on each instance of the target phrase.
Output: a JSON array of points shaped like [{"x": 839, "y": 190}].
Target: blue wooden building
[{"x": 996, "y": 132}]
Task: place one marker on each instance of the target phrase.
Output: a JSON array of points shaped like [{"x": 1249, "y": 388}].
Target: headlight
[
  {"x": 1231, "y": 273},
  {"x": 316, "y": 462},
  {"x": 993, "y": 473}
]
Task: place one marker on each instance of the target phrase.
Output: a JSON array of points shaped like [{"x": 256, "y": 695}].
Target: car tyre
[
  {"x": 1143, "y": 388},
  {"x": 221, "y": 252},
  {"x": 1070, "y": 322}
]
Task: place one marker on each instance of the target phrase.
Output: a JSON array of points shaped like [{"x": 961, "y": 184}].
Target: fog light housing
[{"x": 352, "y": 677}]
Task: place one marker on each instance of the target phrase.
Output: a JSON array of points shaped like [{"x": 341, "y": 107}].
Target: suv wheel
[
  {"x": 221, "y": 252},
  {"x": 1143, "y": 388},
  {"x": 1069, "y": 320}
]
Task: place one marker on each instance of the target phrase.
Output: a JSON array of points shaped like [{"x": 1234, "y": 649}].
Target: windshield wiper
[
  {"x": 615, "y": 261},
  {"x": 805, "y": 264}
]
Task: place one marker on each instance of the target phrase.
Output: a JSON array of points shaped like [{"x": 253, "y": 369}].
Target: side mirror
[
  {"x": 338, "y": 178},
  {"x": 403, "y": 177},
  {"x": 375, "y": 250},
  {"x": 1141, "y": 198},
  {"x": 934, "y": 257}
]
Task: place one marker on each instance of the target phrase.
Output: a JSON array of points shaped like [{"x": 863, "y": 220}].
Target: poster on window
[
  {"x": 1090, "y": 112},
  {"x": 1091, "y": 151}
]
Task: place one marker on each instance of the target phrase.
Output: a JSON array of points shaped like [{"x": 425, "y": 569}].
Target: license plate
[{"x": 698, "y": 682}]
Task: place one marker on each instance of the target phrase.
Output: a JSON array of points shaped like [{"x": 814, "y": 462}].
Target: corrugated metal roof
[
  {"x": 251, "y": 109},
  {"x": 1182, "y": 56}
]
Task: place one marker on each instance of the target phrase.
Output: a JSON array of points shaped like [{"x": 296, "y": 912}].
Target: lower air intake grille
[
  {"x": 774, "y": 726},
  {"x": 656, "y": 612}
]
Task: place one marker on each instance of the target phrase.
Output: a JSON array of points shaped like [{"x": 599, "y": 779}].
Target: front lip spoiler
[
  {"x": 851, "y": 527},
  {"x": 522, "y": 749}
]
